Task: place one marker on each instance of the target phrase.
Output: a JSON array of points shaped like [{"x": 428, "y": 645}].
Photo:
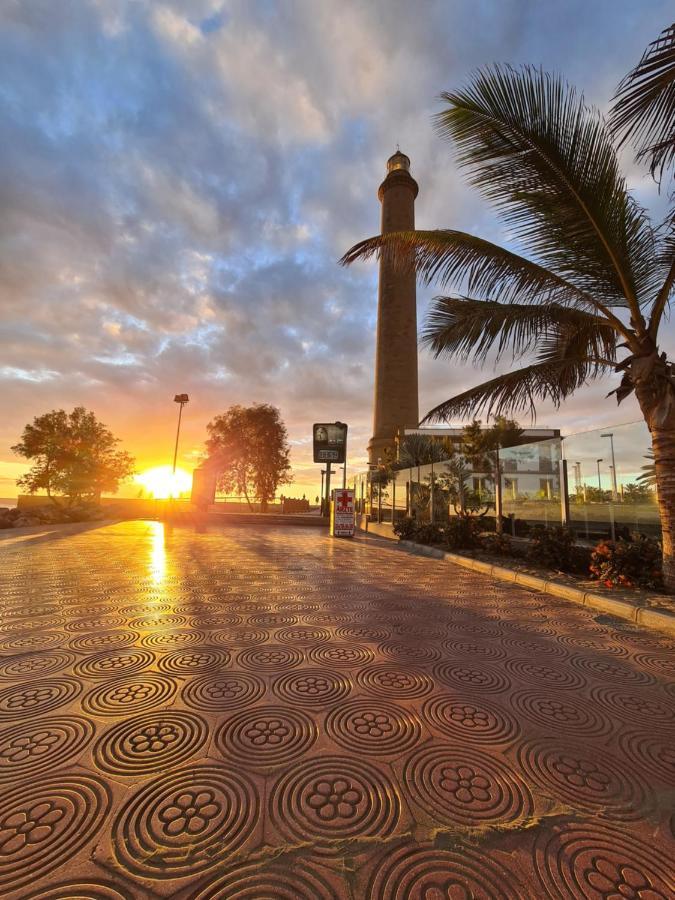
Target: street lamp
[
  {"x": 181, "y": 400},
  {"x": 598, "y": 461},
  {"x": 615, "y": 492}
]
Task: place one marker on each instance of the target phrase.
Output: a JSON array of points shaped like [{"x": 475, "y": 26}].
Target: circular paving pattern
[
  {"x": 266, "y": 736},
  {"x": 150, "y": 742},
  {"x": 132, "y": 694},
  {"x": 35, "y": 747},
  {"x": 277, "y": 882},
  {"x": 425, "y": 872},
  {"x": 158, "y": 620},
  {"x": 113, "y": 663},
  {"x": 173, "y": 640},
  {"x": 270, "y": 658},
  {"x": 362, "y": 633},
  {"x": 111, "y": 640},
  {"x": 98, "y": 623},
  {"x": 244, "y": 637},
  {"x": 333, "y": 799},
  {"x": 655, "y": 755},
  {"x": 193, "y": 662},
  {"x": 474, "y": 649},
  {"x": 470, "y": 718},
  {"x": 272, "y": 619},
  {"x": 30, "y": 643},
  {"x": 342, "y": 655},
  {"x": 584, "y": 777},
  {"x": 469, "y": 676},
  {"x": 463, "y": 786},
  {"x": 661, "y": 664},
  {"x": 216, "y": 693},
  {"x": 37, "y": 697},
  {"x": 416, "y": 652},
  {"x": 393, "y": 682},
  {"x": 559, "y": 677},
  {"x": 612, "y": 671},
  {"x": 185, "y": 822},
  {"x": 44, "y": 822},
  {"x": 561, "y": 715},
  {"x": 81, "y": 890},
  {"x": 600, "y": 863},
  {"x": 302, "y": 635},
  {"x": 34, "y": 665},
  {"x": 637, "y": 706},
  {"x": 374, "y": 727},
  {"x": 312, "y": 687}
]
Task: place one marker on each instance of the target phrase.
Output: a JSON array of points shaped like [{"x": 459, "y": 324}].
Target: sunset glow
[{"x": 161, "y": 483}]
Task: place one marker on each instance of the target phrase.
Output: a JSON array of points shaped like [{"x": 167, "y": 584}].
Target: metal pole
[
  {"x": 175, "y": 451},
  {"x": 564, "y": 493},
  {"x": 323, "y": 472},
  {"x": 328, "y": 473},
  {"x": 616, "y": 492},
  {"x": 499, "y": 504},
  {"x": 344, "y": 468},
  {"x": 598, "y": 461}
]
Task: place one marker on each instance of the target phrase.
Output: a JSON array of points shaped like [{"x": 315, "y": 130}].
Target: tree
[
  {"x": 250, "y": 447},
  {"x": 74, "y": 456},
  {"x": 595, "y": 275},
  {"x": 644, "y": 110}
]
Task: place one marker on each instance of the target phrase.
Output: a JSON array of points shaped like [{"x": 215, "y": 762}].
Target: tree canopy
[
  {"x": 249, "y": 446},
  {"x": 74, "y": 456}
]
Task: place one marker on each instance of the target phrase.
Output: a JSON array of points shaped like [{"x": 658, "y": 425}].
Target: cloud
[{"x": 179, "y": 179}]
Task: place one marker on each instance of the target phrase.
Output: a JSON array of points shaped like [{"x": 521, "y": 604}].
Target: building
[{"x": 396, "y": 405}]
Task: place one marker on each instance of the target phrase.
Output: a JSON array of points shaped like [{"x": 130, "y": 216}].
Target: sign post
[
  {"x": 330, "y": 446},
  {"x": 342, "y": 513}
]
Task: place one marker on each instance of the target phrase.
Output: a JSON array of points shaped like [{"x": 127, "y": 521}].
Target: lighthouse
[{"x": 396, "y": 404}]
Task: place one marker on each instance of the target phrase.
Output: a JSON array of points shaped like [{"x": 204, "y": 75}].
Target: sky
[{"x": 180, "y": 177}]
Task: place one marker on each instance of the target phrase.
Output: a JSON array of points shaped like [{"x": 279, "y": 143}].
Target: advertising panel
[{"x": 342, "y": 513}]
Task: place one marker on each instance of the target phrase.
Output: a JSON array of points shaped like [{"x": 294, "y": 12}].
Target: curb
[{"x": 649, "y": 616}]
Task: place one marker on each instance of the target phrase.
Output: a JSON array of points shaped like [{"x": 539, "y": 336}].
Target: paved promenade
[{"x": 267, "y": 713}]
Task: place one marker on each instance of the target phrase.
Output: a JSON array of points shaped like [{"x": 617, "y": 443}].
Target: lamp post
[
  {"x": 181, "y": 400},
  {"x": 598, "y": 461},
  {"x": 615, "y": 492}
]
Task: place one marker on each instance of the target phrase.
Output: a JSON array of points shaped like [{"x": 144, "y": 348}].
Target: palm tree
[
  {"x": 644, "y": 111},
  {"x": 594, "y": 277}
]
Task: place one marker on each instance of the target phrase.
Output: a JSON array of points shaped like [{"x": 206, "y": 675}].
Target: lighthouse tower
[{"x": 396, "y": 398}]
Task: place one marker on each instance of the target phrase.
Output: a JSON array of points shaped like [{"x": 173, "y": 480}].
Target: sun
[{"x": 162, "y": 483}]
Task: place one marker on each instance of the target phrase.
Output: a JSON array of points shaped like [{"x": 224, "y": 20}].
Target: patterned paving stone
[{"x": 250, "y": 713}]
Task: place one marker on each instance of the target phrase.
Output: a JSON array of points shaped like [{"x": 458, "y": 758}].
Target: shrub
[
  {"x": 634, "y": 563},
  {"x": 461, "y": 533},
  {"x": 428, "y": 534},
  {"x": 553, "y": 547},
  {"x": 497, "y": 544},
  {"x": 406, "y": 528}
]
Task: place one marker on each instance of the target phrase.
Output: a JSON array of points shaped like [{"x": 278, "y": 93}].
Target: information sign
[
  {"x": 342, "y": 513},
  {"x": 330, "y": 442}
]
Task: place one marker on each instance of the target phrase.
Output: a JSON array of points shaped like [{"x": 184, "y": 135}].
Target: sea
[{"x": 8, "y": 502}]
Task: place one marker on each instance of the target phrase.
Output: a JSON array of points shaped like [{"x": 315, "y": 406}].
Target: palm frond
[
  {"x": 472, "y": 328},
  {"x": 561, "y": 367},
  {"x": 644, "y": 111},
  {"x": 450, "y": 257},
  {"x": 536, "y": 150}
]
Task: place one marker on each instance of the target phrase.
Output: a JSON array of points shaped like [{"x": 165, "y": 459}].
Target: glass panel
[
  {"x": 530, "y": 477},
  {"x": 608, "y": 490}
]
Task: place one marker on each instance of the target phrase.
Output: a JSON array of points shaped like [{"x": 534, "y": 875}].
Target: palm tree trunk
[{"x": 663, "y": 444}]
